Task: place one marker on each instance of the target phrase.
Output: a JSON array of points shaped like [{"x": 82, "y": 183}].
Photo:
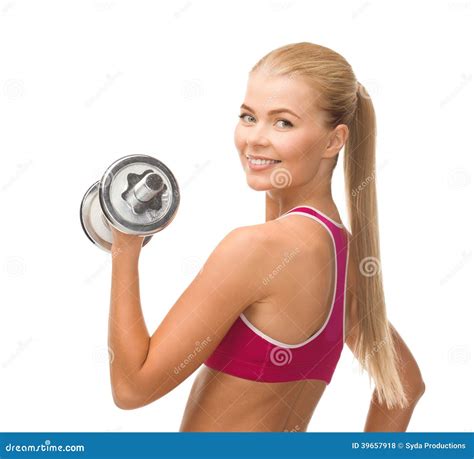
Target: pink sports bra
[{"x": 247, "y": 352}]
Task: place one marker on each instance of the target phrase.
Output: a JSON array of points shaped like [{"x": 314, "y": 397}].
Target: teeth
[{"x": 258, "y": 162}]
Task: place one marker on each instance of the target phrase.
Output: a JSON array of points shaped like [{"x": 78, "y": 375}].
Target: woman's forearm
[
  {"x": 128, "y": 335},
  {"x": 382, "y": 419}
]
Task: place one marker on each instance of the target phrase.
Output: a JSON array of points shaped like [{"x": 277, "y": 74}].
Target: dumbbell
[{"x": 137, "y": 195}]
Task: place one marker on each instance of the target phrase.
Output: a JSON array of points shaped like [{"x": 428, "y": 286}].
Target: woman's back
[{"x": 302, "y": 293}]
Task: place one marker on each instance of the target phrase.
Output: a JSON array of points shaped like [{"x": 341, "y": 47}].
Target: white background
[{"x": 84, "y": 83}]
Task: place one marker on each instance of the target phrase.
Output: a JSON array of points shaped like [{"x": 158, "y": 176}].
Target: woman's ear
[{"x": 336, "y": 140}]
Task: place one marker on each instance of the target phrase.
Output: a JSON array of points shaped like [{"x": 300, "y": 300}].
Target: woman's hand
[{"x": 122, "y": 242}]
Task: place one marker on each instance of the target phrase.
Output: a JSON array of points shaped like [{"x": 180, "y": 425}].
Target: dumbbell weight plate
[
  {"x": 93, "y": 220},
  {"x": 130, "y": 208}
]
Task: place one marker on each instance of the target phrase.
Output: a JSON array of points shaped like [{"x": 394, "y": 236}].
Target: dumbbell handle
[{"x": 148, "y": 187}]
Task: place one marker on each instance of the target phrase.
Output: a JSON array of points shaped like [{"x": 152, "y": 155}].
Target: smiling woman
[{"x": 266, "y": 319}]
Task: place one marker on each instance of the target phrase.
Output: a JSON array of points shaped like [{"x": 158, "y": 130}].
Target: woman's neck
[{"x": 276, "y": 207}]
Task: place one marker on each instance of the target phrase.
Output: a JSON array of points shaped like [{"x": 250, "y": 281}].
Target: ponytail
[{"x": 374, "y": 345}]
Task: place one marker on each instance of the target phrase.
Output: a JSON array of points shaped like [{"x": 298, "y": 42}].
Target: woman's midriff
[{"x": 219, "y": 402}]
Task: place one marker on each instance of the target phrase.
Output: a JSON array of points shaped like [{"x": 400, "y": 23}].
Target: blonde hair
[{"x": 345, "y": 101}]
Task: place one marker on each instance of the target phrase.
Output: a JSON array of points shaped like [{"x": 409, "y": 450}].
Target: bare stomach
[{"x": 219, "y": 402}]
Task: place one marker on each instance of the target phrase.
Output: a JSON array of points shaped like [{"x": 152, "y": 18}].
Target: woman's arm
[
  {"x": 145, "y": 368},
  {"x": 379, "y": 417},
  {"x": 128, "y": 336},
  {"x": 382, "y": 419}
]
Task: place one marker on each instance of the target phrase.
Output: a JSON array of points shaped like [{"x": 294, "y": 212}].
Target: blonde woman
[{"x": 266, "y": 319}]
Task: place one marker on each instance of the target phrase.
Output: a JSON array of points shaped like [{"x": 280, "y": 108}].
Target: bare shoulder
[
  {"x": 242, "y": 243},
  {"x": 253, "y": 251},
  {"x": 298, "y": 229},
  {"x": 261, "y": 246},
  {"x": 240, "y": 256},
  {"x": 299, "y": 234}
]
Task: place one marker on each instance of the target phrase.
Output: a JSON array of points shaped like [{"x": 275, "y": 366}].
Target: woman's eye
[
  {"x": 244, "y": 115},
  {"x": 288, "y": 123}
]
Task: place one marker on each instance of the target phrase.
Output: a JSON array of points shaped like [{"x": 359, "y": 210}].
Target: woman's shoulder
[
  {"x": 243, "y": 245},
  {"x": 298, "y": 231},
  {"x": 263, "y": 245},
  {"x": 268, "y": 237},
  {"x": 245, "y": 238},
  {"x": 256, "y": 245}
]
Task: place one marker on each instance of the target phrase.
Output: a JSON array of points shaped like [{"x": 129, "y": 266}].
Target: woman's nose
[{"x": 257, "y": 138}]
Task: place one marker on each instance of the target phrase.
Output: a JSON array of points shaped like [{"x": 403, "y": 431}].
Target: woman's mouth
[{"x": 260, "y": 164}]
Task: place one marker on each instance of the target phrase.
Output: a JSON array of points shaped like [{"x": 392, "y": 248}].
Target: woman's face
[{"x": 297, "y": 139}]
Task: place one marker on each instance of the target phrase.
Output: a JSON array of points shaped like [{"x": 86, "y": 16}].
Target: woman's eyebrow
[{"x": 276, "y": 110}]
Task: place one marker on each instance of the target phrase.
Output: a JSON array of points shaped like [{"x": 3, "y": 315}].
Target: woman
[{"x": 270, "y": 311}]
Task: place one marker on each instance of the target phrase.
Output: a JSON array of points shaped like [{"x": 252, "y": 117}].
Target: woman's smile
[{"x": 260, "y": 164}]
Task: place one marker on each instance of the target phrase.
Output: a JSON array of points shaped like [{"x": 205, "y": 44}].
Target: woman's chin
[{"x": 259, "y": 184}]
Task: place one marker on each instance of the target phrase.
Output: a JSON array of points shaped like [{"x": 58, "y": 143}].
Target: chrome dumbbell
[{"x": 137, "y": 195}]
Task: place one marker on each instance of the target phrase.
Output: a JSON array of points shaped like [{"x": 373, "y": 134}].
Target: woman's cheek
[
  {"x": 288, "y": 150},
  {"x": 238, "y": 140}
]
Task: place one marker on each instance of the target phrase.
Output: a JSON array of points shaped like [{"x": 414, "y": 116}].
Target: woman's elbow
[
  {"x": 412, "y": 379},
  {"x": 421, "y": 388},
  {"x": 125, "y": 399},
  {"x": 415, "y": 389},
  {"x": 124, "y": 404}
]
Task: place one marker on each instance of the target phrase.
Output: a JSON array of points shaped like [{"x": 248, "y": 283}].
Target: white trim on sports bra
[
  {"x": 311, "y": 338},
  {"x": 340, "y": 225}
]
